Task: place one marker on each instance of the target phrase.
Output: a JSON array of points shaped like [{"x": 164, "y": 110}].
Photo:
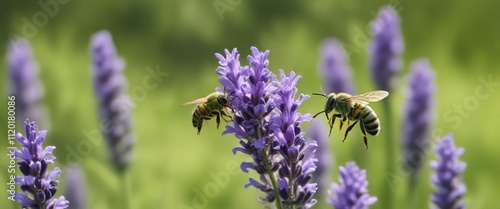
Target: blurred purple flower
[
  {"x": 418, "y": 114},
  {"x": 334, "y": 68},
  {"x": 351, "y": 192},
  {"x": 298, "y": 163},
  {"x": 266, "y": 134},
  {"x": 449, "y": 187},
  {"x": 25, "y": 84},
  {"x": 385, "y": 49},
  {"x": 319, "y": 133},
  {"x": 38, "y": 185},
  {"x": 114, "y": 104},
  {"x": 76, "y": 189}
]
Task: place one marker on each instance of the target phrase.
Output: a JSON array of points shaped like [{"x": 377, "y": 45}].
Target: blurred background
[{"x": 173, "y": 166}]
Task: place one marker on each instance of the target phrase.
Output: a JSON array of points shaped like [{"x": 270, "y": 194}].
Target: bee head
[
  {"x": 222, "y": 100},
  {"x": 330, "y": 102}
]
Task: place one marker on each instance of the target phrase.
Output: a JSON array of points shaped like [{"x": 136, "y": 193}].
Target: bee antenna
[
  {"x": 318, "y": 114},
  {"x": 319, "y": 94}
]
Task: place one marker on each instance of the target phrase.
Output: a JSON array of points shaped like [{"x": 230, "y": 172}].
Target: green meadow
[{"x": 173, "y": 167}]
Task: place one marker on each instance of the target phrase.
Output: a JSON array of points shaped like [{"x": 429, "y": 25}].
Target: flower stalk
[
  {"x": 449, "y": 188},
  {"x": 114, "y": 105},
  {"x": 385, "y": 65},
  {"x": 38, "y": 184},
  {"x": 267, "y": 125}
]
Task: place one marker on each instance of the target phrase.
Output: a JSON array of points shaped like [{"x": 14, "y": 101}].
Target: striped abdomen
[
  {"x": 368, "y": 117},
  {"x": 200, "y": 114}
]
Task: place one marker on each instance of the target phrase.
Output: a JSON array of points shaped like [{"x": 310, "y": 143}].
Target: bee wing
[
  {"x": 198, "y": 101},
  {"x": 368, "y": 97}
]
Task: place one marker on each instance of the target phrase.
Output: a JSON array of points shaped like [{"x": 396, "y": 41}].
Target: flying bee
[
  {"x": 213, "y": 105},
  {"x": 353, "y": 108}
]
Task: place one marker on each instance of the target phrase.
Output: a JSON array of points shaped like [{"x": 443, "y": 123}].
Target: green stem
[
  {"x": 390, "y": 153},
  {"x": 270, "y": 173},
  {"x": 125, "y": 195},
  {"x": 291, "y": 184},
  {"x": 272, "y": 179},
  {"x": 412, "y": 196}
]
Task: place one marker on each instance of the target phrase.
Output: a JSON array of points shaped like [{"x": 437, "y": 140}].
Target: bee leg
[
  {"x": 217, "y": 118},
  {"x": 199, "y": 124},
  {"x": 348, "y": 123},
  {"x": 349, "y": 129},
  {"x": 362, "y": 126},
  {"x": 222, "y": 113},
  {"x": 332, "y": 121}
]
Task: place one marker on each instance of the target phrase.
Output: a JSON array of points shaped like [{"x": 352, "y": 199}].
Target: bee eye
[
  {"x": 330, "y": 103},
  {"x": 222, "y": 100}
]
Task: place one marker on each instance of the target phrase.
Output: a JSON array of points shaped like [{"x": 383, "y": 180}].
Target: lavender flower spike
[
  {"x": 319, "y": 133},
  {"x": 38, "y": 184},
  {"x": 114, "y": 105},
  {"x": 334, "y": 68},
  {"x": 449, "y": 188},
  {"x": 25, "y": 84},
  {"x": 298, "y": 163},
  {"x": 268, "y": 125},
  {"x": 250, "y": 91},
  {"x": 76, "y": 189},
  {"x": 418, "y": 114},
  {"x": 351, "y": 192},
  {"x": 385, "y": 49}
]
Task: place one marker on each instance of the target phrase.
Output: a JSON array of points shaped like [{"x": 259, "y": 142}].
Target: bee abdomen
[
  {"x": 196, "y": 117},
  {"x": 370, "y": 121}
]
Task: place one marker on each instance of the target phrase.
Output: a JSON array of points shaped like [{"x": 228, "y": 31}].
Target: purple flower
[
  {"x": 114, "y": 105},
  {"x": 268, "y": 125},
  {"x": 298, "y": 163},
  {"x": 334, "y": 68},
  {"x": 250, "y": 91},
  {"x": 25, "y": 84},
  {"x": 319, "y": 133},
  {"x": 76, "y": 189},
  {"x": 449, "y": 187},
  {"x": 385, "y": 49},
  {"x": 418, "y": 114},
  {"x": 351, "y": 192},
  {"x": 38, "y": 184}
]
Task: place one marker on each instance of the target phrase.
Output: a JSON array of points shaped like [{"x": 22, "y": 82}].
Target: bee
[
  {"x": 213, "y": 105},
  {"x": 353, "y": 109}
]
